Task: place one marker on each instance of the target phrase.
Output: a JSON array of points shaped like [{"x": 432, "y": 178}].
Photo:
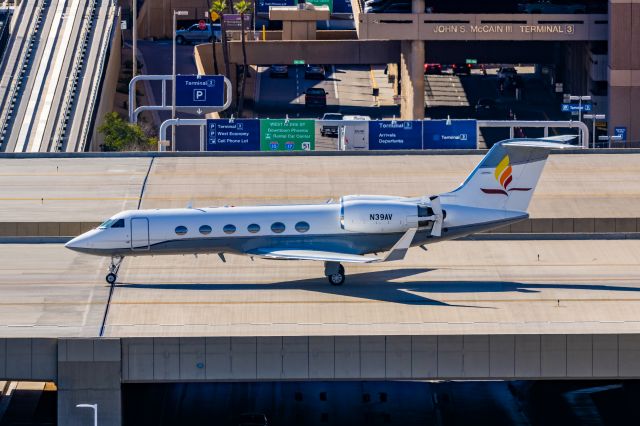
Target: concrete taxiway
[
  {"x": 92, "y": 189},
  {"x": 458, "y": 287}
]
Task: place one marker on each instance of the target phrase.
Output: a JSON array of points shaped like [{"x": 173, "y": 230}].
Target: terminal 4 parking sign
[
  {"x": 205, "y": 92},
  {"x": 233, "y": 135}
]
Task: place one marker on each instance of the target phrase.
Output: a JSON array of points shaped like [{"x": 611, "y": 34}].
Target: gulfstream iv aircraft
[{"x": 355, "y": 229}]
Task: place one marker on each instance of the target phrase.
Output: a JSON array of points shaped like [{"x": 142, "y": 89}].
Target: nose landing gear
[
  {"x": 112, "y": 276},
  {"x": 334, "y": 272}
]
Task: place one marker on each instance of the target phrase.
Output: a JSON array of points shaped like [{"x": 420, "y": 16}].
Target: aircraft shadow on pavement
[{"x": 381, "y": 286}]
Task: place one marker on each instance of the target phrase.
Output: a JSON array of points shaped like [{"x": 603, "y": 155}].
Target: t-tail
[{"x": 507, "y": 176}]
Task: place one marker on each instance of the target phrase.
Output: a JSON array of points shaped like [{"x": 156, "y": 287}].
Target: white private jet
[{"x": 496, "y": 193}]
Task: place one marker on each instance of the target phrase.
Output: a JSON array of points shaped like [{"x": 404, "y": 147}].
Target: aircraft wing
[
  {"x": 305, "y": 254},
  {"x": 397, "y": 252}
]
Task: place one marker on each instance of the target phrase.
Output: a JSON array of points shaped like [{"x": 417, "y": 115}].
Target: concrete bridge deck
[{"x": 90, "y": 189}]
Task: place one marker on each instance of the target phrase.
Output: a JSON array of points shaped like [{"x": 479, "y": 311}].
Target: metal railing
[
  {"x": 114, "y": 12},
  {"x": 72, "y": 82},
  {"x": 16, "y": 82}
]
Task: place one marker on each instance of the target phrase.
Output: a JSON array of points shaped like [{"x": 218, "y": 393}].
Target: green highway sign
[
  {"x": 298, "y": 62},
  {"x": 472, "y": 61},
  {"x": 287, "y": 135},
  {"x": 322, "y": 3}
]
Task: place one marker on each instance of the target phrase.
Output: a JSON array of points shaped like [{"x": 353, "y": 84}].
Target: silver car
[{"x": 195, "y": 35}]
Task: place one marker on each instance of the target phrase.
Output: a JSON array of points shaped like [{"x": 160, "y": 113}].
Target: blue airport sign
[
  {"x": 200, "y": 91},
  {"x": 459, "y": 134},
  {"x": 342, "y": 6},
  {"x": 622, "y": 132},
  {"x": 262, "y": 6},
  {"x": 233, "y": 135},
  {"x": 395, "y": 134},
  {"x": 575, "y": 107}
]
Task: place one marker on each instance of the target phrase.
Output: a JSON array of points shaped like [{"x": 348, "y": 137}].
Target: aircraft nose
[{"x": 80, "y": 243}]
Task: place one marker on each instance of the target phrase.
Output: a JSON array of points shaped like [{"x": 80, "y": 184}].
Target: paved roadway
[
  {"x": 53, "y": 190},
  {"x": 348, "y": 87},
  {"x": 471, "y": 287},
  {"x": 456, "y": 96}
]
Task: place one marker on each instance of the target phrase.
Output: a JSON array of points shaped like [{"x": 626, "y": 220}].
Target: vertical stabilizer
[{"x": 506, "y": 177}]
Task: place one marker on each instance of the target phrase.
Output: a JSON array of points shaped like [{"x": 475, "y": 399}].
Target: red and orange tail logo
[{"x": 503, "y": 175}]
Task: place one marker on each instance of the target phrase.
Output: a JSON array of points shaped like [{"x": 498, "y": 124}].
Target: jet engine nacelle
[{"x": 378, "y": 216}]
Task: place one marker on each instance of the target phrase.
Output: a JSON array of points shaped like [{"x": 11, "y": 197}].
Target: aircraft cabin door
[{"x": 139, "y": 233}]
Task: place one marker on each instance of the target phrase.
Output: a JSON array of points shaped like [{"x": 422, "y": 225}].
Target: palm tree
[
  {"x": 243, "y": 7},
  {"x": 219, "y": 6},
  {"x": 213, "y": 41}
]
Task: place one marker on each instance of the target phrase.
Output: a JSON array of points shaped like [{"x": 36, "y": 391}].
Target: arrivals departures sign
[{"x": 396, "y": 134}]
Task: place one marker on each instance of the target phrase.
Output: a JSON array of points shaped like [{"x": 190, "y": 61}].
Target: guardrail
[
  {"x": 72, "y": 82},
  {"x": 16, "y": 83},
  {"x": 112, "y": 14}
]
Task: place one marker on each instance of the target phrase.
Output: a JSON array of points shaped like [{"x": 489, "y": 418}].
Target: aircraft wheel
[
  {"x": 337, "y": 279},
  {"x": 111, "y": 278}
]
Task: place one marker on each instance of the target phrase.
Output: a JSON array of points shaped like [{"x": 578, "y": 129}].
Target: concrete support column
[
  {"x": 89, "y": 372},
  {"x": 412, "y": 79},
  {"x": 624, "y": 67}
]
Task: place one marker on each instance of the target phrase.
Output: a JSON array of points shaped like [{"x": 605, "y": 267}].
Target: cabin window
[
  {"x": 118, "y": 224},
  {"x": 278, "y": 227},
  {"x": 302, "y": 226},
  {"x": 205, "y": 229},
  {"x": 181, "y": 230},
  {"x": 254, "y": 228},
  {"x": 229, "y": 229},
  {"x": 107, "y": 223}
]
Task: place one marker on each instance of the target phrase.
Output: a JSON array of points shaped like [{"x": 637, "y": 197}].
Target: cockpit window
[
  {"x": 118, "y": 224},
  {"x": 106, "y": 224}
]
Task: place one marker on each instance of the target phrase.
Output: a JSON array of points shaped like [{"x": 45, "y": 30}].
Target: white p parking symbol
[{"x": 199, "y": 95}]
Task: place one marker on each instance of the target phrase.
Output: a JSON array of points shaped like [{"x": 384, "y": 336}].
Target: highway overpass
[{"x": 497, "y": 307}]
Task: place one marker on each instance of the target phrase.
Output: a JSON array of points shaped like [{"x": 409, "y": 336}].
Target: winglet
[{"x": 399, "y": 250}]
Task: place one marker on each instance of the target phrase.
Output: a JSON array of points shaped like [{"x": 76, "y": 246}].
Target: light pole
[
  {"x": 94, "y": 407},
  {"x": 134, "y": 36},
  {"x": 593, "y": 118},
  {"x": 173, "y": 81}
]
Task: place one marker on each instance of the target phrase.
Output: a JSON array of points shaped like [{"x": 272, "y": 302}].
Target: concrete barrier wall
[
  {"x": 529, "y": 226},
  {"x": 381, "y": 357},
  {"x": 28, "y": 359}
]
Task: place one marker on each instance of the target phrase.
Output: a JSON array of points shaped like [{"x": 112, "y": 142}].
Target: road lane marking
[{"x": 335, "y": 81}]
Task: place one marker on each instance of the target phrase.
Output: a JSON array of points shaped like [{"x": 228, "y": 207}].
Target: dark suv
[{"x": 315, "y": 96}]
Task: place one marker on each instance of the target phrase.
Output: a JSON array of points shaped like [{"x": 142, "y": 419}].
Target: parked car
[
  {"x": 330, "y": 129},
  {"x": 315, "y": 96},
  {"x": 461, "y": 68},
  {"x": 506, "y": 72},
  {"x": 432, "y": 69},
  {"x": 314, "y": 72},
  {"x": 279, "y": 71},
  {"x": 194, "y": 34}
]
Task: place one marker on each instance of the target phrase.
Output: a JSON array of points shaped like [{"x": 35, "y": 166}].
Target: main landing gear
[
  {"x": 334, "y": 272},
  {"x": 112, "y": 276}
]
